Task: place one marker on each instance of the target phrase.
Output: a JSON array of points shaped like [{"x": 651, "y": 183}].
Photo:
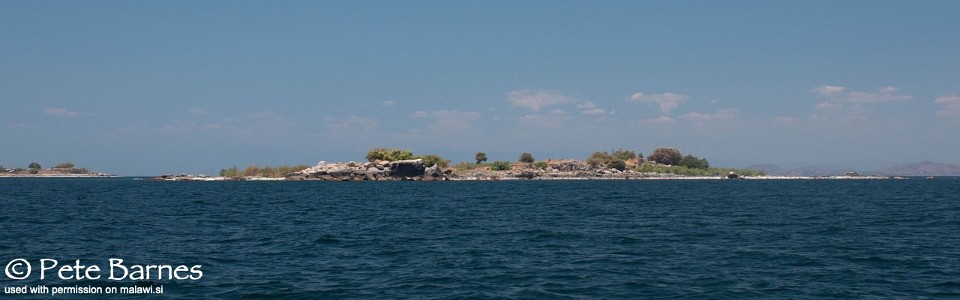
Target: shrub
[
  {"x": 66, "y": 165},
  {"x": 34, "y": 165},
  {"x": 230, "y": 172},
  {"x": 599, "y": 158},
  {"x": 618, "y": 164},
  {"x": 623, "y": 155},
  {"x": 433, "y": 159},
  {"x": 500, "y": 165},
  {"x": 526, "y": 158},
  {"x": 388, "y": 154},
  {"x": 541, "y": 165}
]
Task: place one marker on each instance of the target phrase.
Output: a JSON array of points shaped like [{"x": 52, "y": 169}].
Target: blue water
[{"x": 535, "y": 239}]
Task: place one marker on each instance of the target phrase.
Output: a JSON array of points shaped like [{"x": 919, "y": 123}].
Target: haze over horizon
[{"x": 144, "y": 88}]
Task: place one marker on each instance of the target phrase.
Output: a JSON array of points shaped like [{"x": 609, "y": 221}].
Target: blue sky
[{"x": 150, "y": 87}]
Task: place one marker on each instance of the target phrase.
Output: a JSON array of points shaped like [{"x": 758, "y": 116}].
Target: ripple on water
[{"x": 566, "y": 240}]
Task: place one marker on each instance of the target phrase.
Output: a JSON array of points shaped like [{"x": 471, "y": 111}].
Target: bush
[
  {"x": 230, "y": 172},
  {"x": 500, "y": 165},
  {"x": 34, "y": 165},
  {"x": 618, "y": 164},
  {"x": 667, "y": 156},
  {"x": 623, "y": 155},
  {"x": 66, "y": 165},
  {"x": 388, "y": 154},
  {"x": 433, "y": 159},
  {"x": 526, "y": 158},
  {"x": 599, "y": 158},
  {"x": 541, "y": 165}
]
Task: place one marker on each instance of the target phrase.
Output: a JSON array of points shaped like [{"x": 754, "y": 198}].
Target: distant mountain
[{"x": 926, "y": 168}]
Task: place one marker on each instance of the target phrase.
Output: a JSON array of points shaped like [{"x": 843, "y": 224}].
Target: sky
[{"x": 153, "y": 87}]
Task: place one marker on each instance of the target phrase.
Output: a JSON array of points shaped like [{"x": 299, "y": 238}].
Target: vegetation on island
[
  {"x": 395, "y": 154},
  {"x": 660, "y": 161},
  {"x": 34, "y": 168},
  {"x": 265, "y": 171}
]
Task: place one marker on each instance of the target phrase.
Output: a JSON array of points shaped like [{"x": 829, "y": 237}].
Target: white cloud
[
  {"x": 951, "y": 106},
  {"x": 59, "y": 112},
  {"x": 827, "y": 106},
  {"x": 535, "y": 99},
  {"x": 558, "y": 112},
  {"x": 888, "y": 89},
  {"x": 828, "y": 90},
  {"x": 449, "y": 119},
  {"x": 197, "y": 111},
  {"x": 590, "y": 108},
  {"x": 725, "y": 114},
  {"x": 658, "y": 120},
  {"x": 839, "y": 94},
  {"x": 594, "y": 112},
  {"x": 786, "y": 120},
  {"x": 667, "y": 101},
  {"x": 867, "y": 97},
  {"x": 388, "y": 103}
]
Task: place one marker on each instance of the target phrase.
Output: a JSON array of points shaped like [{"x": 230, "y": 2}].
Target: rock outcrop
[{"x": 379, "y": 170}]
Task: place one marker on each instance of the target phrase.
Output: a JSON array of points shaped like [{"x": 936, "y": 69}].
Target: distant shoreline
[{"x": 57, "y": 175}]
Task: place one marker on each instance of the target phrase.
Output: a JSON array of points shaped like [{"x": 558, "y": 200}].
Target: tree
[
  {"x": 480, "y": 157},
  {"x": 693, "y": 162},
  {"x": 66, "y": 165},
  {"x": 34, "y": 165},
  {"x": 623, "y": 154},
  {"x": 667, "y": 156},
  {"x": 527, "y": 158}
]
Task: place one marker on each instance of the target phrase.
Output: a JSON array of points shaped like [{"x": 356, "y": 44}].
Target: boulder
[{"x": 407, "y": 168}]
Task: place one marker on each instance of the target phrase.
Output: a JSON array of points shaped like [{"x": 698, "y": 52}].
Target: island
[
  {"x": 385, "y": 164},
  {"x": 34, "y": 169}
]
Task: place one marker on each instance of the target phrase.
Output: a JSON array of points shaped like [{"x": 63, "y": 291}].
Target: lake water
[{"x": 518, "y": 239}]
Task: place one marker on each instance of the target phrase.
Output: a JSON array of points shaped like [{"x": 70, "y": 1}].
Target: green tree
[
  {"x": 66, "y": 165},
  {"x": 599, "y": 158},
  {"x": 527, "y": 158},
  {"x": 480, "y": 157},
  {"x": 667, "y": 156},
  {"x": 500, "y": 165},
  {"x": 623, "y": 155},
  {"x": 694, "y": 162},
  {"x": 433, "y": 159},
  {"x": 34, "y": 165},
  {"x": 388, "y": 154}
]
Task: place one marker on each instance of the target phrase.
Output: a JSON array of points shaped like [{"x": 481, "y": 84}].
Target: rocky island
[
  {"x": 34, "y": 169},
  {"x": 402, "y": 165}
]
